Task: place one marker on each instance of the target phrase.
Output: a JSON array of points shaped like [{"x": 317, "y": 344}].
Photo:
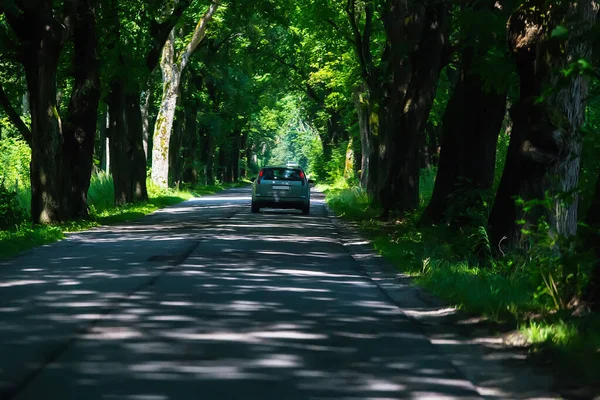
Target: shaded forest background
[{"x": 463, "y": 135}]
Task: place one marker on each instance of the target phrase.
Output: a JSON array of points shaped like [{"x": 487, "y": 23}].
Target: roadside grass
[
  {"x": 102, "y": 212},
  {"x": 504, "y": 293}
]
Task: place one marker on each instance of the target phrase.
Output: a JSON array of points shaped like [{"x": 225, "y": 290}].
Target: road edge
[{"x": 437, "y": 322}]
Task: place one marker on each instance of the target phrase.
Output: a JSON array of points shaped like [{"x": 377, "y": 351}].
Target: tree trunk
[
  {"x": 471, "y": 125},
  {"x": 147, "y": 94},
  {"x": 243, "y": 171},
  {"x": 41, "y": 45},
  {"x": 409, "y": 93},
  {"x": 79, "y": 132},
  {"x": 349, "y": 160},
  {"x": 190, "y": 144},
  {"x": 545, "y": 148},
  {"x": 104, "y": 143},
  {"x": 125, "y": 132},
  {"x": 172, "y": 68},
  {"x": 102, "y": 139},
  {"x": 127, "y": 160},
  {"x": 175, "y": 145},
  {"x": 138, "y": 157},
  {"x": 368, "y": 126},
  {"x": 208, "y": 151},
  {"x": 234, "y": 160},
  {"x": 121, "y": 152},
  {"x": 334, "y": 133}
]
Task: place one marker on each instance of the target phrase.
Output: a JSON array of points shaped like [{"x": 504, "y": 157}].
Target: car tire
[
  {"x": 306, "y": 209},
  {"x": 255, "y": 208}
]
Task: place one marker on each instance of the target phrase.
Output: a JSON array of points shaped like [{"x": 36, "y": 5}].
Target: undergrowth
[
  {"x": 19, "y": 235},
  {"x": 508, "y": 291}
]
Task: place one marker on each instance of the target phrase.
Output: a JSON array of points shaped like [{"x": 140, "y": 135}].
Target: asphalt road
[{"x": 205, "y": 300}]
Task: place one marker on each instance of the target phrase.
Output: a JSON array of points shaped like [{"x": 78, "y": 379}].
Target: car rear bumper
[{"x": 280, "y": 202}]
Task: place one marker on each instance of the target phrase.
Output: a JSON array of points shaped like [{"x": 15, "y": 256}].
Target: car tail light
[
  {"x": 302, "y": 177},
  {"x": 260, "y": 175}
]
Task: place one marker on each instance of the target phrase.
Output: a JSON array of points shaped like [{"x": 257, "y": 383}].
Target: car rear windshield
[{"x": 283, "y": 174}]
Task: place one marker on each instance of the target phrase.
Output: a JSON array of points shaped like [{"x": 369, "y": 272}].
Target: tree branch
[
  {"x": 160, "y": 33},
  {"x": 359, "y": 45},
  {"x": 339, "y": 30},
  {"x": 14, "y": 117},
  {"x": 199, "y": 32},
  {"x": 216, "y": 47}
]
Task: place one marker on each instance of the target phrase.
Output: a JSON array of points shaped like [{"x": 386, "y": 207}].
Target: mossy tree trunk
[{"x": 172, "y": 67}]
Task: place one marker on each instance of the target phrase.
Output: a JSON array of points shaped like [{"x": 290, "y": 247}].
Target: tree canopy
[{"x": 478, "y": 116}]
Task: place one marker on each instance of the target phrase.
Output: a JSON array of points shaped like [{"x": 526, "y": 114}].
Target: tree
[
  {"x": 475, "y": 111},
  {"x": 172, "y": 67},
  {"x": 132, "y": 68},
  {"x": 79, "y": 130},
  {"x": 544, "y": 154},
  {"x": 410, "y": 77},
  {"x": 40, "y": 36}
]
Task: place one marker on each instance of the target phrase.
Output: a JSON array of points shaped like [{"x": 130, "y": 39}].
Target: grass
[
  {"x": 505, "y": 293},
  {"x": 102, "y": 212}
]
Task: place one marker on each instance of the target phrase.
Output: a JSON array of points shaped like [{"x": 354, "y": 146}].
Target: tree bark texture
[
  {"x": 126, "y": 150},
  {"x": 234, "y": 158},
  {"x": 79, "y": 131},
  {"x": 172, "y": 67},
  {"x": 471, "y": 125},
  {"x": 41, "y": 36},
  {"x": 175, "y": 161},
  {"x": 409, "y": 84},
  {"x": 544, "y": 153},
  {"x": 368, "y": 123},
  {"x": 146, "y": 117},
  {"x": 208, "y": 147},
  {"x": 100, "y": 150},
  {"x": 190, "y": 143}
]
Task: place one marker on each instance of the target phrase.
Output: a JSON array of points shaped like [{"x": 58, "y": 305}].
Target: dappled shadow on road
[{"x": 206, "y": 300}]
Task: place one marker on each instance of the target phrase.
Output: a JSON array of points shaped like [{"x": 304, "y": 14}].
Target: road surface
[{"x": 206, "y": 300}]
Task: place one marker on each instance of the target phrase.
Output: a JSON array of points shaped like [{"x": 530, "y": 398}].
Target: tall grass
[
  {"x": 102, "y": 211},
  {"x": 101, "y": 192}
]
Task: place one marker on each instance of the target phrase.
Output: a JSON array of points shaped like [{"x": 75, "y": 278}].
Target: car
[{"x": 281, "y": 187}]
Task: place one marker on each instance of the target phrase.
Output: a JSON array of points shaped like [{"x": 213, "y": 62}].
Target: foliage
[
  {"x": 11, "y": 213},
  {"x": 559, "y": 264},
  {"x": 14, "y": 161}
]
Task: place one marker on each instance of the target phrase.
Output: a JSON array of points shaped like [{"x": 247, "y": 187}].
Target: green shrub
[
  {"x": 11, "y": 213},
  {"x": 15, "y": 156}
]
